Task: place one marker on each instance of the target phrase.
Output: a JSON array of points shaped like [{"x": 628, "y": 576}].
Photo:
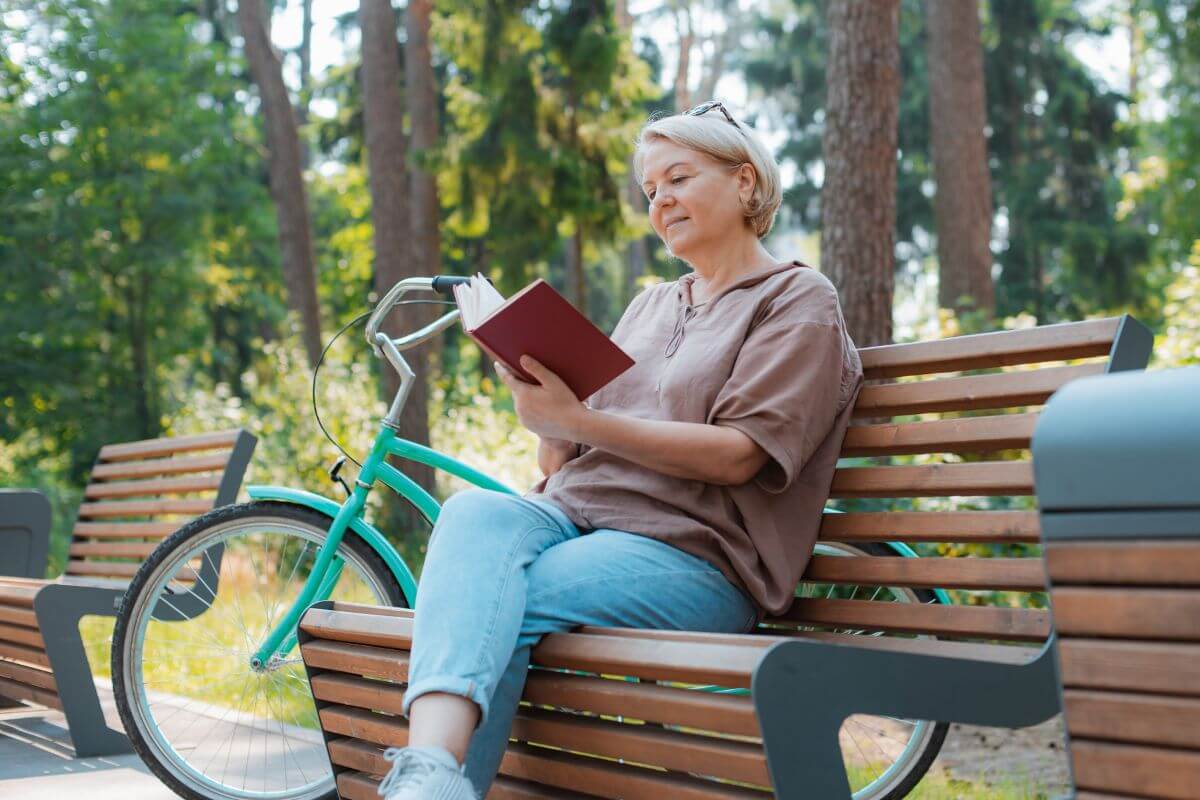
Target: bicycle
[{"x": 208, "y": 682}]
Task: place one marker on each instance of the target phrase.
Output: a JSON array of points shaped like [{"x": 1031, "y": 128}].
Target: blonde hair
[{"x": 713, "y": 135}]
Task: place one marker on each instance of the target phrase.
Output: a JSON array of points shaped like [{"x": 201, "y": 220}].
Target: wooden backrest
[
  {"x": 1127, "y": 617},
  {"x": 140, "y": 492},
  {"x": 965, "y": 407}
]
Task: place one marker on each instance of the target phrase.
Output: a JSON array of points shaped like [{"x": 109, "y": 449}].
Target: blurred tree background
[{"x": 189, "y": 209}]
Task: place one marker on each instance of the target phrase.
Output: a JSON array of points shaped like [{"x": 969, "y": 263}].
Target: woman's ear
[{"x": 747, "y": 179}]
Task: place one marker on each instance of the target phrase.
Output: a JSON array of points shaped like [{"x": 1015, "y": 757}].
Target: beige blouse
[{"x": 768, "y": 355}]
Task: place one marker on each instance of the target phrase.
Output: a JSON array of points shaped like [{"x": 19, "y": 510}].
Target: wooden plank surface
[
  {"x": 1142, "y": 771},
  {"x": 139, "y": 508},
  {"x": 1165, "y": 614},
  {"x": 1145, "y": 563},
  {"x": 124, "y": 530},
  {"x": 984, "y": 478},
  {"x": 1166, "y": 668},
  {"x": 1148, "y": 719},
  {"x": 153, "y": 487},
  {"x": 970, "y": 393},
  {"x": 167, "y": 445},
  {"x": 1068, "y": 340},
  {"x": 1015, "y": 574},
  {"x": 931, "y": 526},
  {"x": 977, "y": 622},
  {"x": 121, "y": 470},
  {"x": 138, "y": 550},
  {"x": 965, "y": 435}
]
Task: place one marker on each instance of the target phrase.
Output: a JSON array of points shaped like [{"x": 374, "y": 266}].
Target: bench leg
[
  {"x": 803, "y": 690},
  {"x": 59, "y": 609}
]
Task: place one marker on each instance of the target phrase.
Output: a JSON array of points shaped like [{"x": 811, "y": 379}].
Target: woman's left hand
[{"x": 548, "y": 408}]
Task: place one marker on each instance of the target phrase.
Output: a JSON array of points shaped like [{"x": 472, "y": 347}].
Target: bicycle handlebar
[{"x": 442, "y": 284}]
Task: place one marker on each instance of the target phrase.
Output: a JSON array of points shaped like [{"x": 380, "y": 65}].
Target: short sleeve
[{"x": 784, "y": 393}]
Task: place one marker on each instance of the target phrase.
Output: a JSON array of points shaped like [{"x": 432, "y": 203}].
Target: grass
[{"x": 937, "y": 785}]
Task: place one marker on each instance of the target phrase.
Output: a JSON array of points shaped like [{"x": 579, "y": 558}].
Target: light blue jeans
[{"x": 502, "y": 571}]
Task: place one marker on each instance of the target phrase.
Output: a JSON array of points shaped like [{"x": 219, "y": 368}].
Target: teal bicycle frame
[
  {"x": 327, "y": 566},
  {"x": 348, "y": 516}
]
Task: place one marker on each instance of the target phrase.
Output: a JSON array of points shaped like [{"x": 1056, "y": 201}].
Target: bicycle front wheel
[{"x": 206, "y": 721}]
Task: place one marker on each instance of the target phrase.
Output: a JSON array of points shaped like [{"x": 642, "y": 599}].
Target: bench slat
[
  {"x": 23, "y": 654},
  {"x": 358, "y": 659},
  {"x": 138, "y": 550},
  {"x": 20, "y": 691},
  {"x": 1069, "y": 340},
  {"x": 159, "y": 466},
  {"x": 137, "y": 508},
  {"x": 1160, "y": 563},
  {"x": 165, "y": 446},
  {"x": 124, "y": 530},
  {"x": 1015, "y": 574},
  {"x": 1134, "y": 718},
  {"x": 350, "y": 690},
  {"x": 1144, "y": 771},
  {"x": 1127, "y": 613},
  {"x": 154, "y": 487},
  {"x": 18, "y": 616},
  {"x": 931, "y": 526},
  {"x": 645, "y": 744},
  {"x": 971, "y": 393},
  {"x": 30, "y": 637},
  {"x": 981, "y": 622},
  {"x": 22, "y": 673},
  {"x": 612, "y": 780},
  {"x": 983, "y": 478},
  {"x": 19, "y": 592},
  {"x": 646, "y": 701},
  {"x": 1131, "y": 666},
  {"x": 965, "y": 435},
  {"x": 105, "y": 569}
]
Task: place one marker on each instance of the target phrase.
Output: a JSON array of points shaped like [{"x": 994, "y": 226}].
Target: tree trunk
[
  {"x": 637, "y": 253},
  {"x": 286, "y": 175},
  {"x": 687, "y": 38},
  {"x": 957, "y": 121},
  {"x": 858, "y": 198},
  {"x": 576, "y": 284},
  {"x": 424, "y": 209},
  {"x": 305, "y": 97},
  {"x": 387, "y": 147}
]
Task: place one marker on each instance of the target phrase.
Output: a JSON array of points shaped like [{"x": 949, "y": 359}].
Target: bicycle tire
[{"x": 122, "y": 656}]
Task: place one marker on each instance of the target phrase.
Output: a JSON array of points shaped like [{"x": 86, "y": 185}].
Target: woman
[{"x": 687, "y": 495}]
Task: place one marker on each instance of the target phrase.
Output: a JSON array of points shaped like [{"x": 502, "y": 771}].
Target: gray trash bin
[{"x": 1118, "y": 456}]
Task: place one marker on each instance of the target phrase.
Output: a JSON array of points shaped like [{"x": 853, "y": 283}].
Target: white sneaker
[{"x": 424, "y": 773}]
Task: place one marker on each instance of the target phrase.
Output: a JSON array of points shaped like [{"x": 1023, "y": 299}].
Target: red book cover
[{"x": 539, "y": 322}]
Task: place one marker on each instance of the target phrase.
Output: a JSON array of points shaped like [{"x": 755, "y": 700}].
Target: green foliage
[
  {"x": 119, "y": 171},
  {"x": 1054, "y": 150}
]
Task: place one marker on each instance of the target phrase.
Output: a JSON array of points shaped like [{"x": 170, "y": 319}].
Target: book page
[{"x": 476, "y": 300}]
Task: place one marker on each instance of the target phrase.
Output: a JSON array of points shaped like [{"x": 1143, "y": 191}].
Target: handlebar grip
[{"x": 444, "y": 284}]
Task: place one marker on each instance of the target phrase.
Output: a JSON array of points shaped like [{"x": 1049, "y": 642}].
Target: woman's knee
[{"x": 479, "y": 515}]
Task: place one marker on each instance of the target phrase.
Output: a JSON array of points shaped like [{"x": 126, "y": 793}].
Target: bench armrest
[
  {"x": 24, "y": 533},
  {"x": 803, "y": 691}
]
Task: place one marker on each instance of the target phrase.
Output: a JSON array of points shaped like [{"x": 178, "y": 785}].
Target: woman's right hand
[{"x": 553, "y": 453}]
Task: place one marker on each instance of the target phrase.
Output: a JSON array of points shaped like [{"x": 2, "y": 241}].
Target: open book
[{"x": 539, "y": 322}]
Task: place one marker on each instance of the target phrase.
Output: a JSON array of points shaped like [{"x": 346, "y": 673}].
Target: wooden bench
[
  {"x": 139, "y": 493},
  {"x": 655, "y": 735}
]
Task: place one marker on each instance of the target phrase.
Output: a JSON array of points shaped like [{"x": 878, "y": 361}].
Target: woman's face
[{"x": 695, "y": 200}]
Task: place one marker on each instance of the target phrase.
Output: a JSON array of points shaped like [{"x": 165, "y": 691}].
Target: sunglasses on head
[{"x": 704, "y": 108}]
